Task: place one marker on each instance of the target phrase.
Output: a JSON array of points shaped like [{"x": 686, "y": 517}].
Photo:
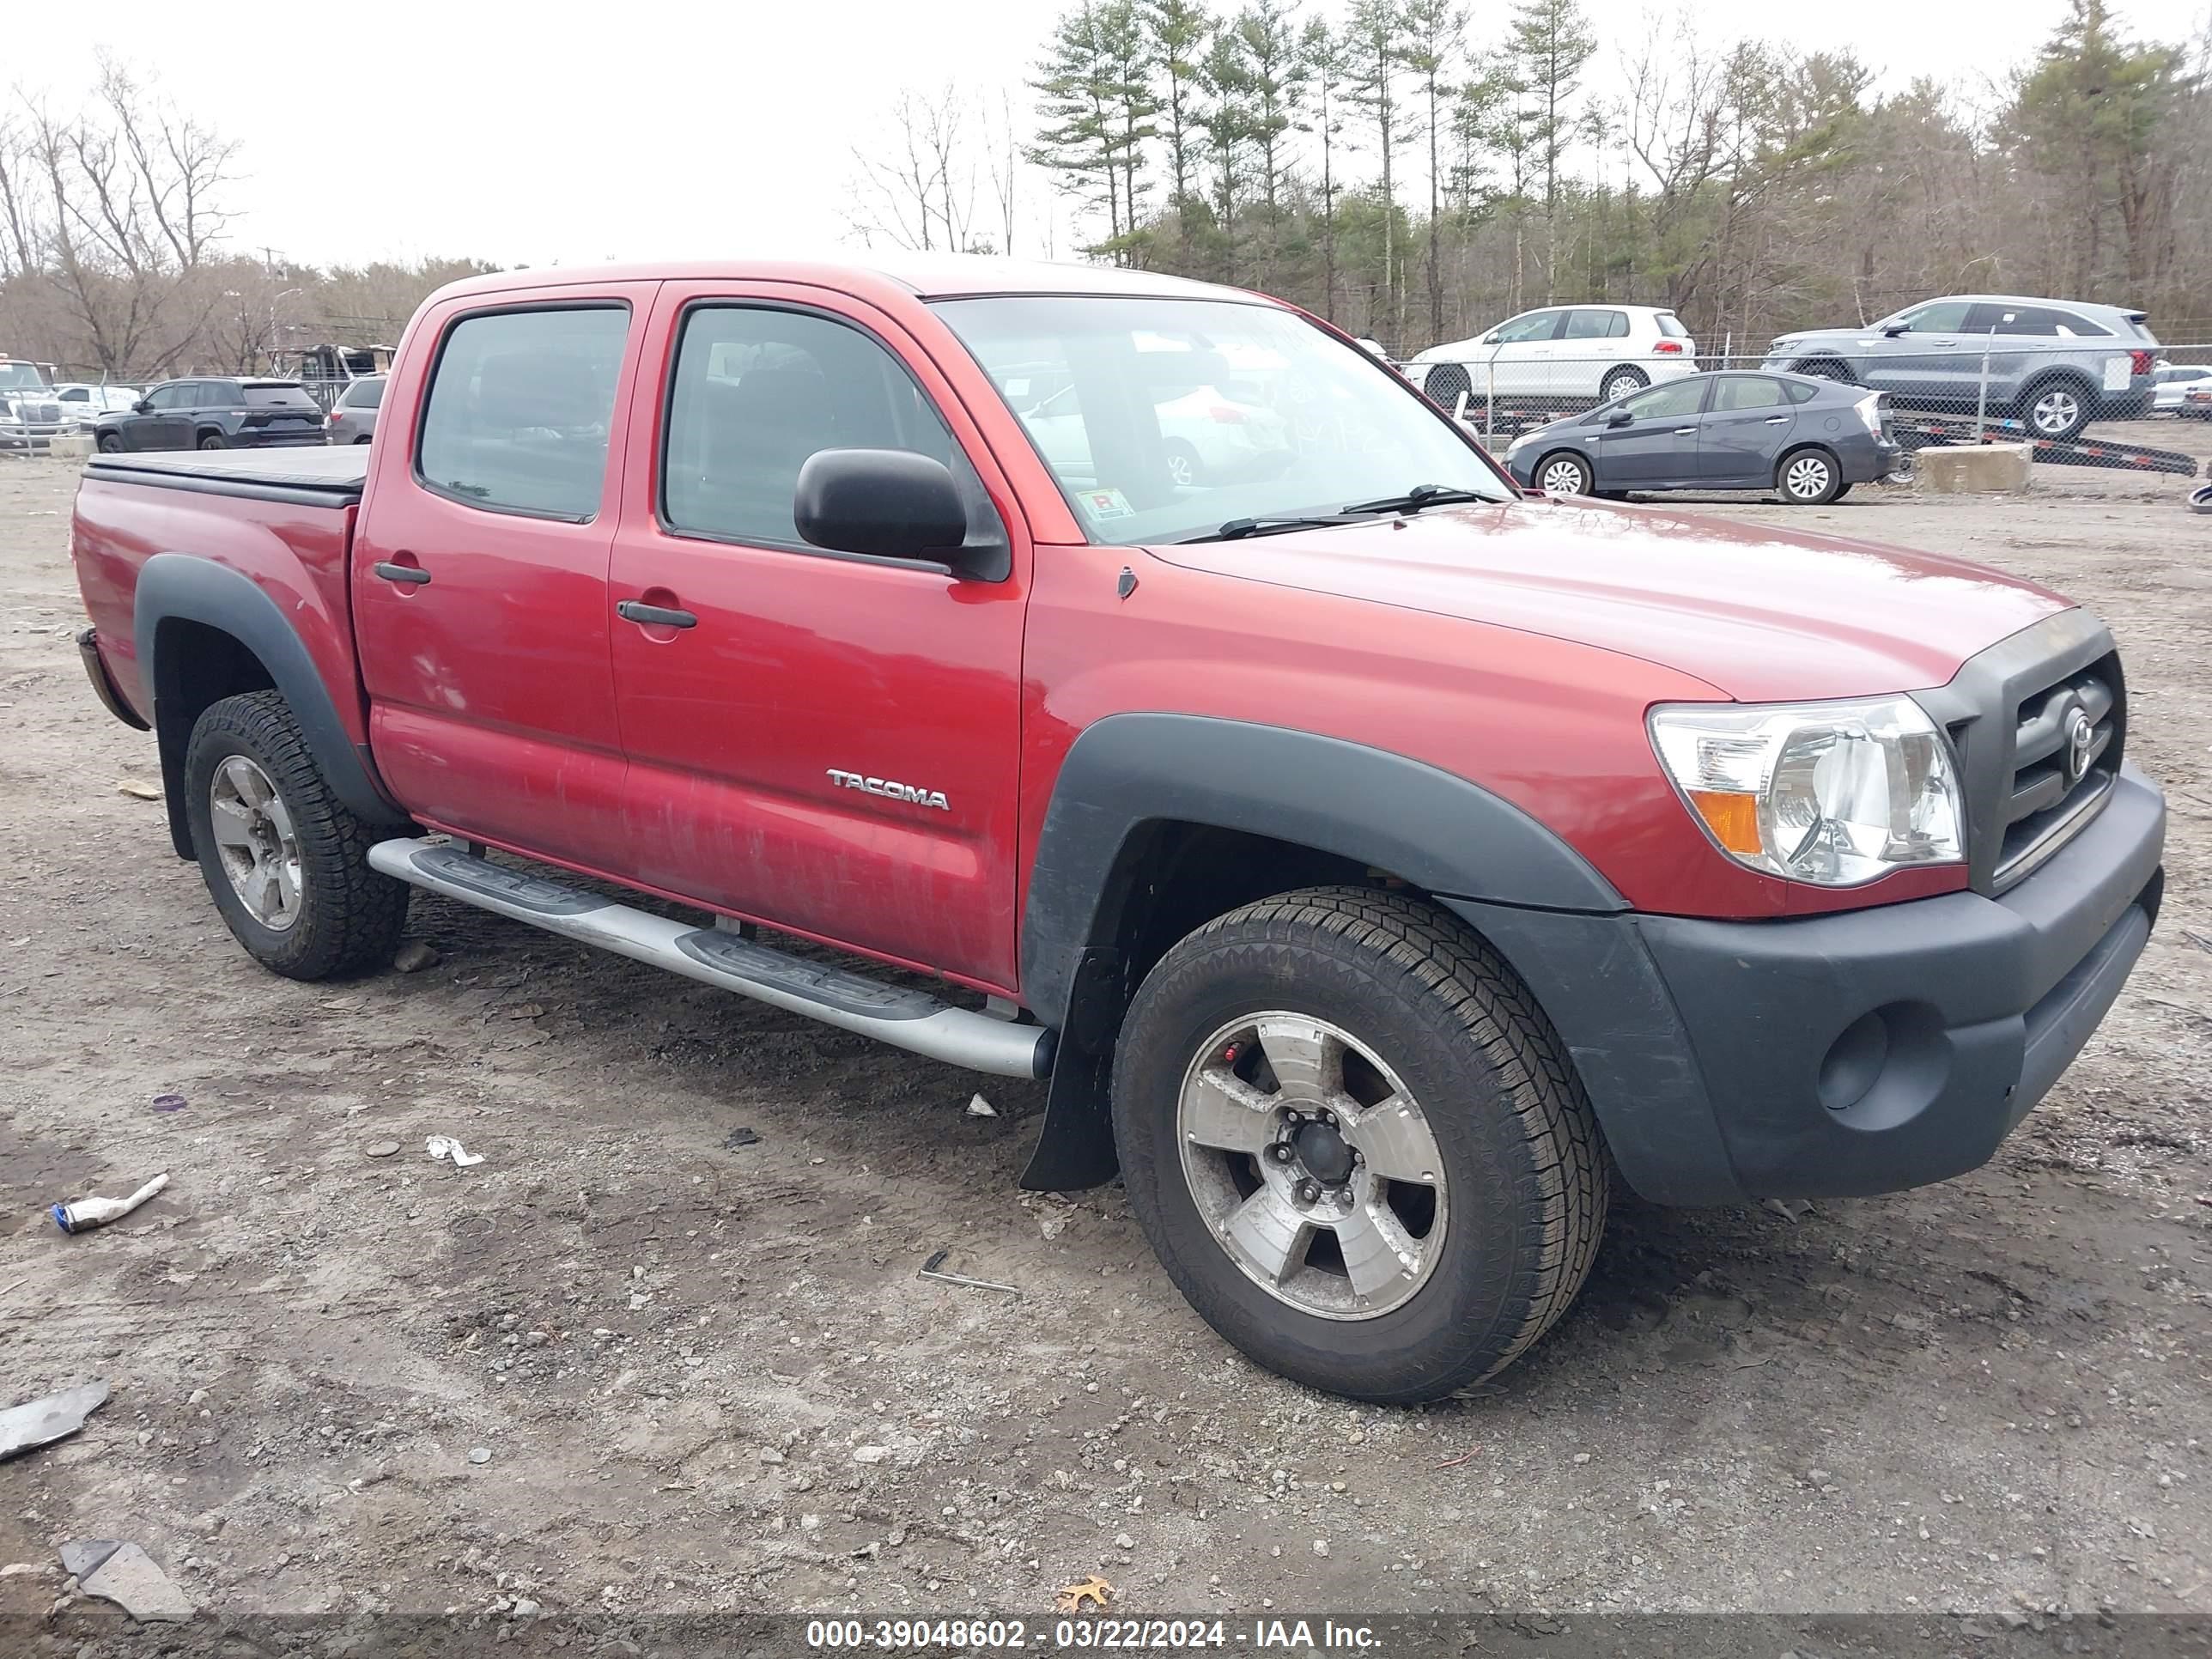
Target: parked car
[
  {"x": 1377, "y": 861},
  {"x": 2182, "y": 389},
  {"x": 353, "y": 415},
  {"x": 2054, "y": 365},
  {"x": 1207, "y": 437},
  {"x": 1562, "y": 354},
  {"x": 31, "y": 417},
  {"x": 1809, "y": 439},
  {"x": 84, "y": 402},
  {"x": 213, "y": 414}
]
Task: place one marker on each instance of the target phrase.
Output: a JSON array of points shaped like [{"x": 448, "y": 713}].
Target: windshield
[
  {"x": 1166, "y": 419},
  {"x": 15, "y": 377}
]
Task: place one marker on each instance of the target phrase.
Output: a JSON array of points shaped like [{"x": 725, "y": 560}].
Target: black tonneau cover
[{"x": 309, "y": 477}]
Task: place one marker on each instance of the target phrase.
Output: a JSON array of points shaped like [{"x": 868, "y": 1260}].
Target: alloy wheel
[
  {"x": 1312, "y": 1165},
  {"x": 2057, "y": 411},
  {"x": 1563, "y": 477},
  {"x": 255, "y": 841},
  {"x": 1806, "y": 478}
]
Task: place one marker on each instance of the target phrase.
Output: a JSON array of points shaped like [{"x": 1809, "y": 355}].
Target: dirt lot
[{"x": 623, "y": 1364}]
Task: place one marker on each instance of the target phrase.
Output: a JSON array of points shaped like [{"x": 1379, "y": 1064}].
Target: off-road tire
[
  {"x": 1524, "y": 1166},
  {"x": 213, "y": 440},
  {"x": 351, "y": 916}
]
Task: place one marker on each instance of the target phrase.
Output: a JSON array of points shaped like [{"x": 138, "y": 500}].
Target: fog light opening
[{"x": 1854, "y": 1062}]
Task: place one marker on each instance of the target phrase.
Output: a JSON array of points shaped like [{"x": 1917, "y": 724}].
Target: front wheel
[
  {"x": 285, "y": 861},
  {"x": 110, "y": 443},
  {"x": 1356, "y": 1144},
  {"x": 1563, "y": 474},
  {"x": 1808, "y": 477}
]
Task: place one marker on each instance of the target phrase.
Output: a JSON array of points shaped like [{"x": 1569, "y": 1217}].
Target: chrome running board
[{"x": 910, "y": 1019}]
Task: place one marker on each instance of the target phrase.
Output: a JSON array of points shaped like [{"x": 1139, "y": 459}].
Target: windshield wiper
[
  {"x": 1419, "y": 496},
  {"x": 1237, "y": 529}
]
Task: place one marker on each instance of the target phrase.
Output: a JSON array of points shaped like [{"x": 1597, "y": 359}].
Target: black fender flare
[
  {"x": 1440, "y": 832},
  {"x": 180, "y": 586}
]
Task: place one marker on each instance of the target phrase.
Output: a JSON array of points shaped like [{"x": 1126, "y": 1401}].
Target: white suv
[{"x": 1563, "y": 353}]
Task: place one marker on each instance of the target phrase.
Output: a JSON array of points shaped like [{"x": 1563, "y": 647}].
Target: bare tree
[
  {"x": 917, "y": 190},
  {"x": 119, "y": 208}
]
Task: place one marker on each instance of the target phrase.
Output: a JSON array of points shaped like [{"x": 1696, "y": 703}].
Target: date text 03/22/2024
[{"x": 918, "y": 1635}]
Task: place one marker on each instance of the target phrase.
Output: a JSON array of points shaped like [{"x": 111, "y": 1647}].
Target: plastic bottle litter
[
  {"x": 86, "y": 1213},
  {"x": 446, "y": 1146}
]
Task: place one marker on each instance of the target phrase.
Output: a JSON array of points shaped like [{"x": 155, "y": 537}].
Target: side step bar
[{"x": 907, "y": 1019}]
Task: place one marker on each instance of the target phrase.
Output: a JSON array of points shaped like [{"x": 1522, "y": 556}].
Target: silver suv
[{"x": 2055, "y": 365}]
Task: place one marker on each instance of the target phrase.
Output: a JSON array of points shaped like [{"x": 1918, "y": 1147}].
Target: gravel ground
[{"x": 624, "y": 1364}]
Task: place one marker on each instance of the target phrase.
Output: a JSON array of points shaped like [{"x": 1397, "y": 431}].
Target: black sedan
[
  {"x": 1809, "y": 439},
  {"x": 213, "y": 414}
]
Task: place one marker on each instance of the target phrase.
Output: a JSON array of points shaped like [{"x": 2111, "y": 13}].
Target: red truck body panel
[
  {"x": 294, "y": 552},
  {"x": 1517, "y": 646}
]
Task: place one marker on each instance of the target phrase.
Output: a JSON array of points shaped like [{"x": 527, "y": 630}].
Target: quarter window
[
  {"x": 518, "y": 410},
  {"x": 757, "y": 390}
]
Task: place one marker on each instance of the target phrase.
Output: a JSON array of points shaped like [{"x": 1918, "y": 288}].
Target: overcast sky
[{"x": 559, "y": 132}]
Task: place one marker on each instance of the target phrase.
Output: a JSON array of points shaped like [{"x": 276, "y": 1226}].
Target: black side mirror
[
  {"x": 1895, "y": 329},
  {"x": 1619, "y": 417},
  {"x": 886, "y": 503},
  {"x": 141, "y": 407}
]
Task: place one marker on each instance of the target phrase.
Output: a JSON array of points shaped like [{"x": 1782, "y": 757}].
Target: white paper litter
[{"x": 446, "y": 1146}]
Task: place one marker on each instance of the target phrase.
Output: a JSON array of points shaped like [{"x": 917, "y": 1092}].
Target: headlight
[{"x": 1834, "y": 793}]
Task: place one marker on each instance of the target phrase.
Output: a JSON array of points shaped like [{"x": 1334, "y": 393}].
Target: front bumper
[{"x": 1860, "y": 1052}]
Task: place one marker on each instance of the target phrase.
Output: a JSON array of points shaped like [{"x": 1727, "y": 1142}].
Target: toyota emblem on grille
[{"x": 2079, "y": 735}]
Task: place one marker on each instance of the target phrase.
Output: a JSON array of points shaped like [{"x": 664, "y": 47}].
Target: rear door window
[
  {"x": 1596, "y": 324},
  {"x": 520, "y": 407},
  {"x": 1738, "y": 392},
  {"x": 362, "y": 394}
]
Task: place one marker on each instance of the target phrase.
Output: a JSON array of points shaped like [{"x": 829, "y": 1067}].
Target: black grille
[
  {"x": 2066, "y": 743},
  {"x": 1447, "y": 384}
]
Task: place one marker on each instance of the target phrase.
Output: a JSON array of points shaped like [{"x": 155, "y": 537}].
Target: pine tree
[
  {"x": 1278, "y": 74},
  {"x": 1432, "y": 37},
  {"x": 1550, "y": 40},
  {"x": 1375, "y": 47},
  {"x": 1323, "y": 52},
  {"x": 1076, "y": 93},
  {"x": 1179, "y": 30}
]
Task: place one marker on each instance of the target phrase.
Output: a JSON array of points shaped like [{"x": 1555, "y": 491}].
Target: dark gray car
[
  {"x": 353, "y": 417},
  {"x": 2054, "y": 365},
  {"x": 224, "y": 413},
  {"x": 1809, "y": 439}
]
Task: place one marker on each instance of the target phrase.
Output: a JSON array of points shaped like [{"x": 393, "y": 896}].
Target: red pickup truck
[{"x": 1379, "y": 862}]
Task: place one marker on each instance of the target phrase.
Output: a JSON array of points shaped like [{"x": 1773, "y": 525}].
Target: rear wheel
[
  {"x": 1620, "y": 382},
  {"x": 1356, "y": 1144},
  {"x": 285, "y": 861},
  {"x": 212, "y": 441},
  {"x": 2057, "y": 409},
  {"x": 1808, "y": 477},
  {"x": 1562, "y": 474},
  {"x": 1825, "y": 369}
]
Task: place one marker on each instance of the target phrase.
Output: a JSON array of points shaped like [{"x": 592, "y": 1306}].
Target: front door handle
[
  {"x": 1779, "y": 420},
  {"x": 655, "y": 616},
  {"x": 413, "y": 575},
  {"x": 1683, "y": 431}
]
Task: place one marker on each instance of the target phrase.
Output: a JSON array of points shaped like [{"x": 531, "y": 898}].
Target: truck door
[
  {"x": 480, "y": 571},
  {"x": 822, "y": 742}
]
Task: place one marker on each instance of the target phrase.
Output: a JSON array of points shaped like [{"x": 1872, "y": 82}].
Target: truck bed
[{"x": 319, "y": 477}]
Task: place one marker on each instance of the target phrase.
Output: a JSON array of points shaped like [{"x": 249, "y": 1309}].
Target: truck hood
[{"x": 1758, "y": 613}]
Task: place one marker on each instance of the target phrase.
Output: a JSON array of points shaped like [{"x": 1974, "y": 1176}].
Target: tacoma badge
[{"x": 891, "y": 791}]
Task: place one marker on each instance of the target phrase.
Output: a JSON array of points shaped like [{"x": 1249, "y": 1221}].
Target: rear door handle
[
  {"x": 655, "y": 616},
  {"x": 1683, "y": 431},
  {"x": 1779, "y": 420},
  {"x": 413, "y": 575}
]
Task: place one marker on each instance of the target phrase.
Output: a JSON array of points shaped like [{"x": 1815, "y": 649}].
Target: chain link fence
[{"x": 2130, "y": 405}]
